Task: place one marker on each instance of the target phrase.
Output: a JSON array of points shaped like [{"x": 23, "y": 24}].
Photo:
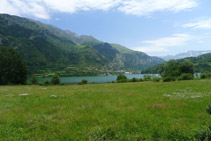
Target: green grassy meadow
[{"x": 119, "y": 111}]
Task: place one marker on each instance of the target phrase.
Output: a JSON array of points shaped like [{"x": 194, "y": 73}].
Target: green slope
[
  {"x": 201, "y": 64},
  {"x": 46, "y": 49},
  {"x": 136, "y": 59}
]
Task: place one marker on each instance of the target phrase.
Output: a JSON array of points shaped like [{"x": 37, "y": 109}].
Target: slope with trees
[
  {"x": 201, "y": 64},
  {"x": 46, "y": 48}
]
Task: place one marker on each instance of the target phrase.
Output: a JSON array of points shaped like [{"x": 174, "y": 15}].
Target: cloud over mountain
[{"x": 44, "y": 8}]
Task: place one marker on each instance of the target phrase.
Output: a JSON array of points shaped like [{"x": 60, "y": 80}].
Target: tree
[
  {"x": 170, "y": 69},
  {"x": 12, "y": 68},
  {"x": 55, "y": 80},
  {"x": 121, "y": 78},
  {"x": 186, "y": 76},
  {"x": 186, "y": 67},
  {"x": 174, "y": 70}
]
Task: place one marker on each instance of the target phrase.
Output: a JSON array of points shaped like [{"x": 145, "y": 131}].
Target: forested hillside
[
  {"x": 201, "y": 63},
  {"x": 47, "y": 49}
]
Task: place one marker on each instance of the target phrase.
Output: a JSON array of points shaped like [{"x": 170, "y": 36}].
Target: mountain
[
  {"x": 46, "y": 48},
  {"x": 185, "y": 55},
  {"x": 136, "y": 59},
  {"x": 201, "y": 63}
]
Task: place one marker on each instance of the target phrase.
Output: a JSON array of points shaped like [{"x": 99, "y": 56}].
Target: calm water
[{"x": 92, "y": 79}]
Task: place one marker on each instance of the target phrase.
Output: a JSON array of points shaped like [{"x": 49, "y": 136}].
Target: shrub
[
  {"x": 209, "y": 109},
  {"x": 203, "y": 76},
  {"x": 34, "y": 80},
  {"x": 156, "y": 79},
  {"x": 55, "y": 80},
  {"x": 186, "y": 76},
  {"x": 204, "y": 135},
  {"x": 168, "y": 79},
  {"x": 134, "y": 80},
  {"x": 84, "y": 81},
  {"x": 121, "y": 78},
  {"x": 46, "y": 82},
  {"x": 147, "y": 78},
  {"x": 140, "y": 80}
]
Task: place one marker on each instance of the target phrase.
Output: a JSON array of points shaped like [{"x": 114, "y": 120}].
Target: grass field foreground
[{"x": 120, "y": 111}]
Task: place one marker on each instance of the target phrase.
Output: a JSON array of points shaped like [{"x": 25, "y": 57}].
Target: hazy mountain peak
[{"x": 185, "y": 55}]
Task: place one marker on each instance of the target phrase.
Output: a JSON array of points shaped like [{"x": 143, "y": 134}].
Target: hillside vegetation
[
  {"x": 46, "y": 49},
  {"x": 202, "y": 64}
]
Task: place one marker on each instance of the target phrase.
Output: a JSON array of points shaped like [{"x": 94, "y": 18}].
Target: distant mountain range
[
  {"x": 48, "y": 49},
  {"x": 202, "y": 64},
  {"x": 185, "y": 55}
]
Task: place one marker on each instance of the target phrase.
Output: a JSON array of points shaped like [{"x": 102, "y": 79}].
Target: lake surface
[{"x": 92, "y": 79}]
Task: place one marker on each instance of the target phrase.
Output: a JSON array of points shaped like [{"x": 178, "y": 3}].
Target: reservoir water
[{"x": 92, "y": 79}]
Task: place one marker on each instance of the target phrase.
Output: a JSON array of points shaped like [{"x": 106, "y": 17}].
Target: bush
[
  {"x": 123, "y": 81},
  {"x": 186, "y": 76},
  {"x": 204, "y": 135},
  {"x": 209, "y": 109},
  {"x": 147, "y": 77},
  {"x": 46, "y": 82},
  {"x": 140, "y": 80},
  {"x": 84, "y": 81},
  {"x": 121, "y": 78},
  {"x": 134, "y": 80},
  {"x": 34, "y": 80},
  {"x": 203, "y": 76},
  {"x": 156, "y": 79},
  {"x": 55, "y": 80},
  {"x": 169, "y": 79}
]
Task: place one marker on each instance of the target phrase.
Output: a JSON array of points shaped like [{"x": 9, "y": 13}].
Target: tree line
[{"x": 13, "y": 70}]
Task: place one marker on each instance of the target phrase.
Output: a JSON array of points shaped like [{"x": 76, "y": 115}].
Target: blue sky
[{"x": 156, "y": 27}]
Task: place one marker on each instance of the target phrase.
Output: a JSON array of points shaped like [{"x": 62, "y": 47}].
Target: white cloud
[
  {"x": 72, "y": 6},
  {"x": 200, "y": 24},
  {"x": 163, "y": 44},
  {"x": 27, "y": 7},
  {"x": 146, "y": 7},
  {"x": 43, "y": 8}
]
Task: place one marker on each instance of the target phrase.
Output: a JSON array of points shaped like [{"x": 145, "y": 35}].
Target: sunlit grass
[{"x": 145, "y": 110}]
